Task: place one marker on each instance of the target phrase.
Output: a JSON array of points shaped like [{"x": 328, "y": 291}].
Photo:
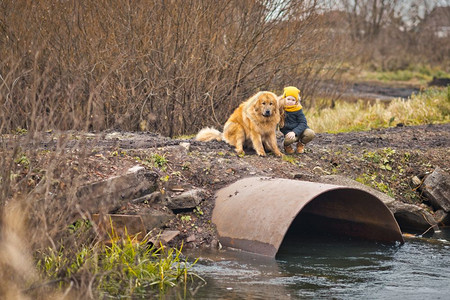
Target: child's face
[{"x": 290, "y": 101}]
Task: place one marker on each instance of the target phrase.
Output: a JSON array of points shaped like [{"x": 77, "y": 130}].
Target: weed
[
  {"x": 20, "y": 131},
  {"x": 384, "y": 158},
  {"x": 198, "y": 211},
  {"x": 23, "y": 161},
  {"x": 371, "y": 180},
  {"x": 290, "y": 159},
  {"x": 185, "y": 218},
  {"x": 79, "y": 225},
  {"x": 176, "y": 173},
  {"x": 159, "y": 161},
  {"x": 117, "y": 153},
  {"x": 406, "y": 157},
  {"x": 165, "y": 178},
  {"x": 124, "y": 268}
]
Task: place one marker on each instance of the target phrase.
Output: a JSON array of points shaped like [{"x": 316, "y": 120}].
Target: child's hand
[{"x": 290, "y": 136}]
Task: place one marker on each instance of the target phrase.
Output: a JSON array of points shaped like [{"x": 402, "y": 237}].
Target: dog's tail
[{"x": 208, "y": 134}]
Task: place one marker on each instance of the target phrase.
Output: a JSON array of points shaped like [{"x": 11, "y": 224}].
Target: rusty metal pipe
[{"x": 254, "y": 214}]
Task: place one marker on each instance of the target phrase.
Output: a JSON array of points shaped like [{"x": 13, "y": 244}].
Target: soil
[
  {"x": 386, "y": 159},
  {"x": 371, "y": 90}
]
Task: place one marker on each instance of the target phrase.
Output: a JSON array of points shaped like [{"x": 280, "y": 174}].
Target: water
[{"x": 319, "y": 268}]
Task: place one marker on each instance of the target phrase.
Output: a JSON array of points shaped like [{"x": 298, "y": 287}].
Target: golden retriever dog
[{"x": 255, "y": 121}]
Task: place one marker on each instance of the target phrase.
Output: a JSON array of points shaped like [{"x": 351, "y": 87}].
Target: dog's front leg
[
  {"x": 257, "y": 144},
  {"x": 271, "y": 143}
]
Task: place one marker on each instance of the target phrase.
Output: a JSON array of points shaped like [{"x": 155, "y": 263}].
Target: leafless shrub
[{"x": 166, "y": 66}]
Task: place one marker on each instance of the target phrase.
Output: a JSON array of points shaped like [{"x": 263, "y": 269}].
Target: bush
[{"x": 171, "y": 67}]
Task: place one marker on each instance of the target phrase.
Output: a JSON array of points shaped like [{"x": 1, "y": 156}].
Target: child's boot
[
  {"x": 300, "y": 147},
  {"x": 288, "y": 149}
]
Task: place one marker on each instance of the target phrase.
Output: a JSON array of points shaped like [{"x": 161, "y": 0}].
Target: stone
[
  {"x": 119, "y": 226},
  {"x": 408, "y": 216},
  {"x": 108, "y": 195},
  {"x": 153, "y": 218},
  {"x": 165, "y": 237},
  {"x": 186, "y": 146},
  {"x": 416, "y": 181},
  {"x": 155, "y": 197},
  {"x": 191, "y": 238},
  {"x": 442, "y": 217},
  {"x": 133, "y": 225},
  {"x": 436, "y": 187},
  {"x": 186, "y": 200}
]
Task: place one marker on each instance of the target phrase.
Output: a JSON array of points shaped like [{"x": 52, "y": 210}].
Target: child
[{"x": 295, "y": 128}]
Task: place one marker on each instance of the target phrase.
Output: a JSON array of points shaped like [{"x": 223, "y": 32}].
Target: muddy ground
[{"x": 386, "y": 159}]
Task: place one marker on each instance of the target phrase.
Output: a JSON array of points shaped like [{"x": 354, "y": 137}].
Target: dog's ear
[
  {"x": 281, "y": 104},
  {"x": 258, "y": 103}
]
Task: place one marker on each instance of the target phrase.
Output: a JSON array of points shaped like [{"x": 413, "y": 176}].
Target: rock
[
  {"x": 155, "y": 197},
  {"x": 153, "y": 218},
  {"x": 411, "y": 217},
  {"x": 186, "y": 146},
  {"x": 107, "y": 195},
  {"x": 186, "y": 200},
  {"x": 320, "y": 171},
  {"x": 416, "y": 181},
  {"x": 214, "y": 244},
  {"x": 119, "y": 226},
  {"x": 436, "y": 187},
  {"x": 165, "y": 237},
  {"x": 133, "y": 225},
  {"x": 303, "y": 176},
  {"x": 191, "y": 238},
  {"x": 408, "y": 216},
  {"x": 442, "y": 217}
]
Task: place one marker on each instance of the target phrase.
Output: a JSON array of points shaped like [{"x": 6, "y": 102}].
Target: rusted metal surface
[{"x": 254, "y": 214}]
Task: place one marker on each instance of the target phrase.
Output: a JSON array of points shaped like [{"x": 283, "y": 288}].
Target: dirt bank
[{"x": 385, "y": 159}]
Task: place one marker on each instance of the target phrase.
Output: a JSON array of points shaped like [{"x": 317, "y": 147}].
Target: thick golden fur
[
  {"x": 281, "y": 105},
  {"x": 255, "y": 121}
]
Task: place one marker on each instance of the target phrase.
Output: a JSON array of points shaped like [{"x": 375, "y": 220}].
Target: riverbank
[{"x": 384, "y": 159}]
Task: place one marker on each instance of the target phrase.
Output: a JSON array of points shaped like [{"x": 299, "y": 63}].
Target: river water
[{"x": 329, "y": 268}]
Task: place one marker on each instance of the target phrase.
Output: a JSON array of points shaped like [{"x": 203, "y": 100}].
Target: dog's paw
[
  {"x": 279, "y": 154},
  {"x": 240, "y": 152}
]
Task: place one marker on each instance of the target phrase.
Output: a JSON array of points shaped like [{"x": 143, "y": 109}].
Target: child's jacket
[{"x": 294, "y": 121}]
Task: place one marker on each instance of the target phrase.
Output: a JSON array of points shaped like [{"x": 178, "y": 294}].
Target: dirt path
[{"x": 371, "y": 90}]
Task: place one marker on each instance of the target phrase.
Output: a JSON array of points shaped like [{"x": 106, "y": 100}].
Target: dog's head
[{"x": 266, "y": 104}]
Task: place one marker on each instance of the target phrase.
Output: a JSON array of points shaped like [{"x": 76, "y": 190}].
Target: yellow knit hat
[{"x": 291, "y": 91}]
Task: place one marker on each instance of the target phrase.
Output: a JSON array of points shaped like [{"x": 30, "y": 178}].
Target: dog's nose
[{"x": 266, "y": 113}]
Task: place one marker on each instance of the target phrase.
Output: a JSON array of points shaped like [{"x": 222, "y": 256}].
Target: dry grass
[{"x": 430, "y": 106}]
